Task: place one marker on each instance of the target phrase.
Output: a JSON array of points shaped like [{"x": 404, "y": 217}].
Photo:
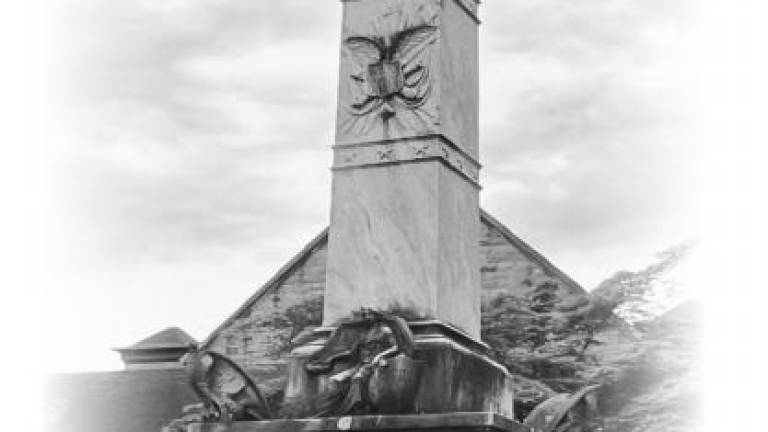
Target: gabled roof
[
  {"x": 322, "y": 238},
  {"x": 530, "y": 252},
  {"x": 172, "y": 337},
  {"x": 275, "y": 280}
]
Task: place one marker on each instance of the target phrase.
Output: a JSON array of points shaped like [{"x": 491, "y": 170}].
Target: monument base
[
  {"x": 454, "y": 422},
  {"x": 449, "y": 372}
]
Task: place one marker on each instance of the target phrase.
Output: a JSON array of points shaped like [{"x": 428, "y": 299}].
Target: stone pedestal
[
  {"x": 456, "y": 422},
  {"x": 449, "y": 372}
]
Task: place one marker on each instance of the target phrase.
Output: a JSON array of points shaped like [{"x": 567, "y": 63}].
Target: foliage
[
  {"x": 293, "y": 321},
  {"x": 504, "y": 319},
  {"x": 541, "y": 319},
  {"x": 554, "y": 341},
  {"x": 641, "y": 296}
]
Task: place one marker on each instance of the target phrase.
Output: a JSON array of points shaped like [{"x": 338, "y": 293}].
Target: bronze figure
[{"x": 358, "y": 351}]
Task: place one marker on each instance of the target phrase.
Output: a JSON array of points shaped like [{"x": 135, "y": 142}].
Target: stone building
[
  {"x": 151, "y": 390},
  {"x": 160, "y": 351}
]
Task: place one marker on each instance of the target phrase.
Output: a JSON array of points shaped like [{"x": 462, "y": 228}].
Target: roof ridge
[
  {"x": 532, "y": 253},
  {"x": 169, "y": 337}
]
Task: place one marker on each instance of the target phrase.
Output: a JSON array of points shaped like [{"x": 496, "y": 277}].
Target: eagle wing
[
  {"x": 364, "y": 51},
  {"x": 409, "y": 49},
  {"x": 226, "y": 382},
  {"x": 410, "y": 44}
]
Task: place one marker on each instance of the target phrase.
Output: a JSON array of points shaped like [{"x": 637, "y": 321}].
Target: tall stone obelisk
[
  {"x": 405, "y": 211},
  {"x": 400, "y": 348},
  {"x": 404, "y": 229}
]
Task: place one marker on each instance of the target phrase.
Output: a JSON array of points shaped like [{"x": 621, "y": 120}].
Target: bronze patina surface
[{"x": 431, "y": 369}]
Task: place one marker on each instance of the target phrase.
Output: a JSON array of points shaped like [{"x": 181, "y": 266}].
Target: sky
[{"x": 188, "y": 149}]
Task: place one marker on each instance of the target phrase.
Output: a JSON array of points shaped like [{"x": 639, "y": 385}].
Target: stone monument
[
  {"x": 400, "y": 344},
  {"x": 404, "y": 207}
]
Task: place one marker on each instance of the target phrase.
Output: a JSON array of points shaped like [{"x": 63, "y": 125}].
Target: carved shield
[{"x": 386, "y": 78}]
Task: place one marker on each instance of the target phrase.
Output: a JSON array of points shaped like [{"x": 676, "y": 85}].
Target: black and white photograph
[{"x": 385, "y": 215}]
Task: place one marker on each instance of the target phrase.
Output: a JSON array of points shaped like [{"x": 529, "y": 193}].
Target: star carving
[
  {"x": 421, "y": 151},
  {"x": 386, "y": 155}
]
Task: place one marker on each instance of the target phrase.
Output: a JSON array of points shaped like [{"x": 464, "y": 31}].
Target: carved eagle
[
  {"x": 227, "y": 391},
  {"x": 390, "y": 69}
]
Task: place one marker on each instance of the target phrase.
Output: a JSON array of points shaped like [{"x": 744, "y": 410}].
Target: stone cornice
[
  {"x": 407, "y": 150},
  {"x": 470, "y": 7}
]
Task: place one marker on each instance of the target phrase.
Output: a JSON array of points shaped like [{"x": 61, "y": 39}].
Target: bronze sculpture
[
  {"x": 369, "y": 365},
  {"x": 227, "y": 392},
  {"x": 355, "y": 354}
]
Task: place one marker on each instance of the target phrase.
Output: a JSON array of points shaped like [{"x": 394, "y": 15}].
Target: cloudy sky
[{"x": 188, "y": 154}]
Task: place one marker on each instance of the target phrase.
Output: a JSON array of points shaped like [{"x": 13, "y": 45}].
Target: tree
[{"x": 641, "y": 296}]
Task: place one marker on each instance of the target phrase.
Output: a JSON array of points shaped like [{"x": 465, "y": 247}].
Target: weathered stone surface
[
  {"x": 456, "y": 422},
  {"x": 460, "y": 85},
  {"x": 431, "y": 47},
  {"x": 258, "y": 334},
  {"x": 511, "y": 267},
  {"x": 404, "y": 215},
  {"x": 404, "y": 235}
]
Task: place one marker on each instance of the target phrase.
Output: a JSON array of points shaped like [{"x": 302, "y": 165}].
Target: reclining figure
[
  {"x": 355, "y": 361},
  {"x": 358, "y": 351}
]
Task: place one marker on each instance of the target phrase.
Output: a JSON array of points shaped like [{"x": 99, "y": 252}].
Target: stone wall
[
  {"x": 505, "y": 267},
  {"x": 258, "y": 335}
]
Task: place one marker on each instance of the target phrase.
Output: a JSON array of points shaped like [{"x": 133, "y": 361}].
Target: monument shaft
[
  {"x": 405, "y": 210},
  {"x": 403, "y": 241}
]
